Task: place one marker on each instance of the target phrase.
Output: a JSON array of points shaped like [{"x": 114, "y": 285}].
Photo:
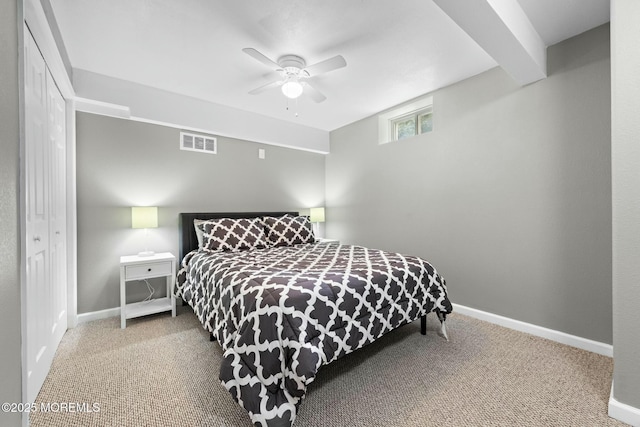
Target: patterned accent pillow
[
  {"x": 227, "y": 234},
  {"x": 288, "y": 230}
]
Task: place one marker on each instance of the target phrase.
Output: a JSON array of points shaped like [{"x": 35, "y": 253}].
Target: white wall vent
[{"x": 199, "y": 143}]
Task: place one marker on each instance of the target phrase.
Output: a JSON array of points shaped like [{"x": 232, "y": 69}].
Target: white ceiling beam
[
  {"x": 505, "y": 32},
  {"x": 100, "y": 94}
]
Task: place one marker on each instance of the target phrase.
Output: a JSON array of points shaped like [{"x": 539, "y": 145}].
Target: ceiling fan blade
[
  {"x": 260, "y": 57},
  {"x": 326, "y": 66},
  {"x": 313, "y": 93},
  {"x": 266, "y": 87}
]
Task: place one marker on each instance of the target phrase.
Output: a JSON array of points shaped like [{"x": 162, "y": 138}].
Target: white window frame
[
  {"x": 395, "y": 122},
  {"x": 425, "y": 112},
  {"x": 415, "y": 115},
  {"x": 387, "y": 122}
]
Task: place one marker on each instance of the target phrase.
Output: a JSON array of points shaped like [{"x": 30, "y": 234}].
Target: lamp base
[{"x": 146, "y": 253}]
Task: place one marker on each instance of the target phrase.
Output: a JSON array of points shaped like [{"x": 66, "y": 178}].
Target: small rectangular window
[
  {"x": 406, "y": 121},
  {"x": 404, "y": 127},
  {"x": 412, "y": 124},
  {"x": 426, "y": 122}
]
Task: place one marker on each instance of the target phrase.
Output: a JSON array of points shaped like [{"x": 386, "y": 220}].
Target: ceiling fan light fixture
[
  {"x": 292, "y": 89},
  {"x": 294, "y": 73}
]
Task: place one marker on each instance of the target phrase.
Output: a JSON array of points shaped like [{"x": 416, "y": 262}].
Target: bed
[{"x": 282, "y": 304}]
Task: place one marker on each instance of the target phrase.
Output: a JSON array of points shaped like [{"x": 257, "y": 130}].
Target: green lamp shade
[
  {"x": 144, "y": 217},
  {"x": 316, "y": 214}
]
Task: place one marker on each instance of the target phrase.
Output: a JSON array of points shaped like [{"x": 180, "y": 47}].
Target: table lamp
[
  {"x": 144, "y": 217},
  {"x": 316, "y": 216}
]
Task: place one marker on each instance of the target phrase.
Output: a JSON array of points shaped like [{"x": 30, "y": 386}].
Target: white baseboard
[
  {"x": 623, "y": 412},
  {"x": 97, "y": 315},
  {"x": 553, "y": 335}
]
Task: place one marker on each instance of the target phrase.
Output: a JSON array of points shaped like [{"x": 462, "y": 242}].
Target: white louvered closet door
[{"x": 45, "y": 210}]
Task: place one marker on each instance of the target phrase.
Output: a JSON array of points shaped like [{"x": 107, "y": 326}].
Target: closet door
[
  {"x": 57, "y": 213},
  {"x": 39, "y": 352},
  {"x": 45, "y": 198}
]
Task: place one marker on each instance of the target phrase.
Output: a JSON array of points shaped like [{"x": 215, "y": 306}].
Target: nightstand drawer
[{"x": 147, "y": 270}]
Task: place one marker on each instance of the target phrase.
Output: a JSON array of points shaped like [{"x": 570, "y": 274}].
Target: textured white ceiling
[{"x": 395, "y": 51}]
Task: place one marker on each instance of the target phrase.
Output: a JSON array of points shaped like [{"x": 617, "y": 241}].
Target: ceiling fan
[{"x": 294, "y": 74}]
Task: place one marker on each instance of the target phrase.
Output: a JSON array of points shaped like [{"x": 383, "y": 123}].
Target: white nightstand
[{"x": 135, "y": 267}]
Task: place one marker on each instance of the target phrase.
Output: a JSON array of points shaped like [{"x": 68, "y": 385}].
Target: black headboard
[{"x": 188, "y": 239}]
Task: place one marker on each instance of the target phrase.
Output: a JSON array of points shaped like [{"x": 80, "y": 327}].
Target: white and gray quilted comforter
[{"x": 281, "y": 313}]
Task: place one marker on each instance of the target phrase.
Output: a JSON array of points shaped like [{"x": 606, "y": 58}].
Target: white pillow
[{"x": 199, "y": 231}]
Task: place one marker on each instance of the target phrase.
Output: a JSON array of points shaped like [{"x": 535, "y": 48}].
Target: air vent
[{"x": 199, "y": 143}]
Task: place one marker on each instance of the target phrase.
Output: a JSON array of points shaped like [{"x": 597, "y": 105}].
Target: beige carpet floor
[{"x": 163, "y": 371}]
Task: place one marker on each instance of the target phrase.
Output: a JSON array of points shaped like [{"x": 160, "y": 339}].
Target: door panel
[
  {"x": 57, "y": 213},
  {"x": 45, "y": 198}
]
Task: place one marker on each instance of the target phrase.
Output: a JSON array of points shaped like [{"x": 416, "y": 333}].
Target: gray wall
[
  {"x": 123, "y": 163},
  {"x": 10, "y": 350},
  {"x": 509, "y": 197},
  {"x": 625, "y": 146}
]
